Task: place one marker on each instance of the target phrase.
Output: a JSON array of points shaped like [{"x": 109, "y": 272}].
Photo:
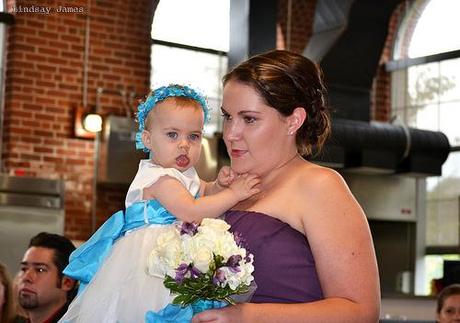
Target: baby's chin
[{"x": 181, "y": 168}]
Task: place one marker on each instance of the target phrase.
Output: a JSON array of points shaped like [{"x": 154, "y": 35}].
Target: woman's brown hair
[
  {"x": 286, "y": 81},
  {"x": 7, "y": 313}
]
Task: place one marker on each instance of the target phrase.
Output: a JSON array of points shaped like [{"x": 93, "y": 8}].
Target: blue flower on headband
[{"x": 160, "y": 94}]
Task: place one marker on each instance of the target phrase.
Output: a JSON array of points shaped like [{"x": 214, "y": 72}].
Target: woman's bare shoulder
[
  {"x": 312, "y": 176},
  {"x": 320, "y": 189},
  {"x": 326, "y": 194}
]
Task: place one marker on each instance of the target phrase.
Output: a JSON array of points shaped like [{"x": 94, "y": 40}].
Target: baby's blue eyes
[
  {"x": 191, "y": 137},
  {"x": 172, "y": 134},
  {"x": 195, "y": 137}
]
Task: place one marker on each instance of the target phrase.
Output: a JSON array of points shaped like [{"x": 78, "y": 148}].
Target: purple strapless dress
[{"x": 285, "y": 270}]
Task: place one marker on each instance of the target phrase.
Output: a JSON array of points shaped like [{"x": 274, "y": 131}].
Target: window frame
[{"x": 405, "y": 64}]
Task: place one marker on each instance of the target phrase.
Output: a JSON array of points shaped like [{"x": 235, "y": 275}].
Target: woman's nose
[{"x": 232, "y": 131}]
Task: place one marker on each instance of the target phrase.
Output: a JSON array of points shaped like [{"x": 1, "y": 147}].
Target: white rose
[
  {"x": 203, "y": 241},
  {"x": 167, "y": 236},
  {"x": 201, "y": 258},
  {"x": 154, "y": 265},
  {"x": 172, "y": 255},
  {"x": 216, "y": 225},
  {"x": 166, "y": 255},
  {"x": 199, "y": 251},
  {"x": 226, "y": 246}
]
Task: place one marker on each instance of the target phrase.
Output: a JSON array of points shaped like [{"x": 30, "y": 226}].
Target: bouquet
[{"x": 202, "y": 262}]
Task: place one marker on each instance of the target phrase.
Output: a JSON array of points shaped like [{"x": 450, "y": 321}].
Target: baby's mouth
[{"x": 182, "y": 161}]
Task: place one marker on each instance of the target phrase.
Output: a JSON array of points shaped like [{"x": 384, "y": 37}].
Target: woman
[
  {"x": 310, "y": 238},
  {"x": 448, "y": 308}
]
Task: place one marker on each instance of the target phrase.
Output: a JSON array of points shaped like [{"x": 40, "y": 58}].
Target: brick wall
[
  {"x": 381, "y": 89},
  {"x": 44, "y": 84},
  {"x": 302, "y": 14}
]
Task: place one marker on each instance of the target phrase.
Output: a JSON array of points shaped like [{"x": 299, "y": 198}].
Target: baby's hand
[
  {"x": 226, "y": 176},
  {"x": 244, "y": 186}
]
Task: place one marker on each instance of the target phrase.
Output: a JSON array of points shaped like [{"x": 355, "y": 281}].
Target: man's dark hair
[{"x": 62, "y": 247}]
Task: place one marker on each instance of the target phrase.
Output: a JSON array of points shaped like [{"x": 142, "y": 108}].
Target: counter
[{"x": 416, "y": 309}]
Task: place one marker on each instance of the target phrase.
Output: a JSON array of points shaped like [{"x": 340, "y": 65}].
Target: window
[
  {"x": 190, "y": 47},
  {"x": 426, "y": 95}
]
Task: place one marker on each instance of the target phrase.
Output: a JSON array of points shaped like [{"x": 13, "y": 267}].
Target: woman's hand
[{"x": 229, "y": 314}]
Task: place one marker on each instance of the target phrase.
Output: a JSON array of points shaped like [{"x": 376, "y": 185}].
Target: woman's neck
[{"x": 271, "y": 177}]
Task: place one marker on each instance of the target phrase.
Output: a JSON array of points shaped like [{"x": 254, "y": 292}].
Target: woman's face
[
  {"x": 450, "y": 311},
  {"x": 255, "y": 134}
]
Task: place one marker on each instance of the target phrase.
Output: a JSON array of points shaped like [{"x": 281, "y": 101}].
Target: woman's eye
[
  {"x": 249, "y": 119},
  {"x": 195, "y": 137},
  {"x": 171, "y": 134},
  {"x": 226, "y": 116}
]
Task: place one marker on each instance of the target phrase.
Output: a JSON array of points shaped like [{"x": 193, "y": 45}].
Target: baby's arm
[{"x": 178, "y": 200}]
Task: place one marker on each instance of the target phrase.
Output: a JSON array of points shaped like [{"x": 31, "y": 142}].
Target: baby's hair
[{"x": 161, "y": 94}]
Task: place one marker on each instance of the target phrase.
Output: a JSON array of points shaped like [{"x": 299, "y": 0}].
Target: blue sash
[{"x": 88, "y": 258}]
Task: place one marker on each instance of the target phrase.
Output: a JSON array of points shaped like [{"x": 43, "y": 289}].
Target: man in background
[{"x": 43, "y": 291}]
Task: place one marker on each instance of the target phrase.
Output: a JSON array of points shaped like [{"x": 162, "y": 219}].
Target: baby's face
[{"x": 173, "y": 133}]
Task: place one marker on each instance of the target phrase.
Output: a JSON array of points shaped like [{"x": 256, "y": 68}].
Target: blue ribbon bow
[{"x": 88, "y": 258}]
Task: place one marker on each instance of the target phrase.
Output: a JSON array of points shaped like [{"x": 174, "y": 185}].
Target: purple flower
[
  {"x": 240, "y": 241},
  {"x": 219, "y": 277},
  {"x": 181, "y": 271},
  {"x": 184, "y": 271},
  {"x": 194, "y": 272},
  {"x": 188, "y": 228},
  {"x": 233, "y": 263}
]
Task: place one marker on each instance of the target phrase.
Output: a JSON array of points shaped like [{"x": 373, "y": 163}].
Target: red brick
[
  {"x": 31, "y": 140},
  {"x": 21, "y": 130},
  {"x": 30, "y": 123},
  {"x": 46, "y": 68},
  {"x": 46, "y": 150},
  {"x": 45, "y": 84}
]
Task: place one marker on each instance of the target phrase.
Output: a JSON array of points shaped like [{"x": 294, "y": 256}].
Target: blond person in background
[{"x": 448, "y": 307}]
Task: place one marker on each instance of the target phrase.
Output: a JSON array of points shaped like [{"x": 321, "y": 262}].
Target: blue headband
[{"x": 160, "y": 94}]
